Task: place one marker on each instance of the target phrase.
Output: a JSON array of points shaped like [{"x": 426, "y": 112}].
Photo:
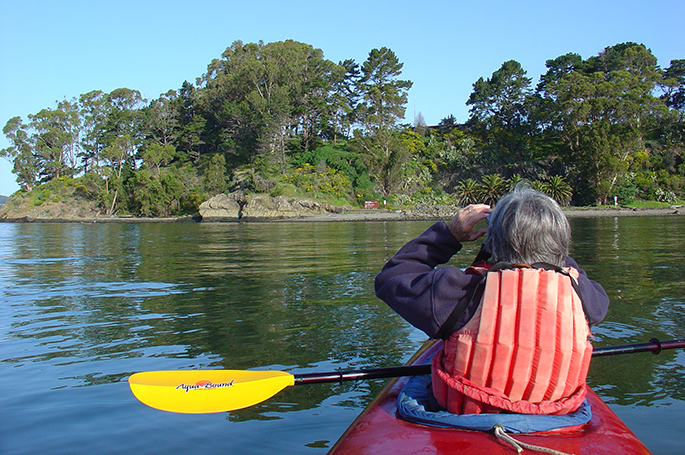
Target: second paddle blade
[{"x": 205, "y": 391}]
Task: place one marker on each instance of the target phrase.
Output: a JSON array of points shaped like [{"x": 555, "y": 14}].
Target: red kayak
[{"x": 379, "y": 430}]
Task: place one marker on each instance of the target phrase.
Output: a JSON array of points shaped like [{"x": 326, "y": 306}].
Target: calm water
[{"x": 84, "y": 306}]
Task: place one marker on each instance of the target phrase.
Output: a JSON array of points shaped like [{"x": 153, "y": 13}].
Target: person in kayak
[{"x": 516, "y": 341}]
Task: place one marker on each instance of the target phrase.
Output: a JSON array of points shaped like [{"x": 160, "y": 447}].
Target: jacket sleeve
[
  {"x": 594, "y": 296},
  {"x": 419, "y": 291}
]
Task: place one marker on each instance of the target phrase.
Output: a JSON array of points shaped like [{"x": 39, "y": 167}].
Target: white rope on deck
[{"x": 519, "y": 446}]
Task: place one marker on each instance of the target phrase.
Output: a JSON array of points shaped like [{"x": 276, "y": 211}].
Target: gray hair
[{"x": 527, "y": 226}]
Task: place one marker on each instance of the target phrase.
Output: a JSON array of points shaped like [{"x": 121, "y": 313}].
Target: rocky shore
[
  {"x": 237, "y": 207},
  {"x": 351, "y": 215}
]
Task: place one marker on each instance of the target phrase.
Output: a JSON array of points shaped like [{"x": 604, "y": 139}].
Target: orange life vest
[{"x": 525, "y": 350}]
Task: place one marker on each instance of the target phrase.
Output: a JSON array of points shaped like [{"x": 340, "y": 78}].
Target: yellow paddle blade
[{"x": 204, "y": 391}]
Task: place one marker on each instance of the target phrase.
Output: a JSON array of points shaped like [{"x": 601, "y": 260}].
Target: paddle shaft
[
  {"x": 198, "y": 392},
  {"x": 652, "y": 345},
  {"x": 355, "y": 375}
]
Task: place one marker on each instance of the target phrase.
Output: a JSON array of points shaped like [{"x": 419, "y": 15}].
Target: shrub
[
  {"x": 665, "y": 196},
  {"x": 329, "y": 181},
  {"x": 626, "y": 190}
]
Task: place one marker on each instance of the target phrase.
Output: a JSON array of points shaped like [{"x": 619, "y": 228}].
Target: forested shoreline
[{"x": 279, "y": 118}]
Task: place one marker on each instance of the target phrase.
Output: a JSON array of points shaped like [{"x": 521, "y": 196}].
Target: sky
[{"x": 55, "y": 50}]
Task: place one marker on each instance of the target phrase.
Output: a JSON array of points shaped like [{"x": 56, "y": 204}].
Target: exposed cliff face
[{"x": 237, "y": 206}]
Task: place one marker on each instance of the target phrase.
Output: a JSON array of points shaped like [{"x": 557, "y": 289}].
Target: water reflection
[
  {"x": 639, "y": 261},
  {"x": 84, "y": 306}
]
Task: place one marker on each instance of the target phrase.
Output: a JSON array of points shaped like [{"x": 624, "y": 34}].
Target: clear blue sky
[{"x": 51, "y": 50}]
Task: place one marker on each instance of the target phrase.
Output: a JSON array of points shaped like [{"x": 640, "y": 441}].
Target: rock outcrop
[
  {"x": 223, "y": 207},
  {"x": 20, "y": 207},
  {"x": 259, "y": 207}
]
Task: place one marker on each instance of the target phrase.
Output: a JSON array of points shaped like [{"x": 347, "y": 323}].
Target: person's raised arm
[{"x": 411, "y": 284}]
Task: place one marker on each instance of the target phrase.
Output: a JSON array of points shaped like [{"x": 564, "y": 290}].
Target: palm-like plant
[
  {"x": 492, "y": 188},
  {"x": 558, "y": 189},
  {"x": 467, "y": 191},
  {"x": 514, "y": 180},
  {"x": 538, "y": 185}
]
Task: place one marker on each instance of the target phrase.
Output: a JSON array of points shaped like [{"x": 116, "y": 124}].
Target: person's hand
[{"x": 466, "y": 218}]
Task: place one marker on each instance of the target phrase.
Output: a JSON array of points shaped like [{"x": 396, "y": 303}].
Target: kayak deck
[{"x": 379, "y": 430}]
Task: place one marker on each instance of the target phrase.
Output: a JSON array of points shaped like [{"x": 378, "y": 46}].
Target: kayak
[{"x": 379, "y": 430}]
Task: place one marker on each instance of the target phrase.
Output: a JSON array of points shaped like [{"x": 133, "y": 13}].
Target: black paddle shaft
[
  {"x": 653, "y": 345},
  {"x": 354, "y": 375}
]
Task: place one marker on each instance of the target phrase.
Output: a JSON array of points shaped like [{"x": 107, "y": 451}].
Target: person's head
[{"x": 527, "y": 226}]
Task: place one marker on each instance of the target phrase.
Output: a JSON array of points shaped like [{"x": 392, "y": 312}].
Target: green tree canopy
[
  {"x": 602, "y": 111},
  {"x": 384, "y": 97},
  {"x": 280, "y": 117},
  {"x": 499, "y": 110}
]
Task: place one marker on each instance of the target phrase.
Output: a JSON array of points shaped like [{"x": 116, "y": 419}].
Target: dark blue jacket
[{"x": 425, "y": 295}]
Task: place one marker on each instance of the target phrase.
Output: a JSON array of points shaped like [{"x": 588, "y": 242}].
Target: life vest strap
[
  {"x": 574, "y": 282},
  {"x": 447, "y": 328}
]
